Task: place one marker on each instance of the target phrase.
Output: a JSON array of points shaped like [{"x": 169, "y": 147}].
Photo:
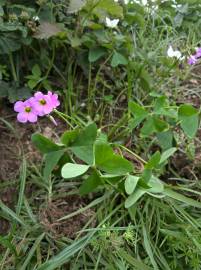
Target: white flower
[
  {"x": 177, "y": 54},
  {"x": 36, "y": 18},
  {"x": 111, "y": 23}
]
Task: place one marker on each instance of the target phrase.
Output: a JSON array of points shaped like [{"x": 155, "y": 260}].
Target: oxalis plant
[{"x": 88, "y": 155}]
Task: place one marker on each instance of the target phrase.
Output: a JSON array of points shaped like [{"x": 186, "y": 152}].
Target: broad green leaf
[
  {"x": 156, "y": 185},
  {"x": 134, "y": 197},
  {"x": 75, "y": 5},
  {"x": 71, "y": 170},
  {"x": 32, "y": 83},
  {"x": 160, "y": 125},
  {"x": 131, "y": 183},
  {"x": 51, "y": 160},
  {"x": 118, "y": 59},
  {"x": 168, "y": 153},
  {"x": 187, "y": 110},
  {"x": 36, "y": 71},
  {"x": 153, "y": 161},
  {"x": 138, "y": 112},
  {"x": 148, "y": 127},
  {"x": 68, "y": 137},
  {"x": 96, "y": 53},
  {"x": 82, "y": 146},
  {"x": 107, "y": 161},
  {"x": 46, "y": 30},
  {"x": 105, "y": 7},
  {"x": 17, "y": 93},
  {"x": 89, "y": 184},
  {"x": 160, "y": 104},
  {"x": 189, "y": 119},
  {"x": 44, "y": 144},
  {"x": 135, "y": 18},
  {"x": 165, "y": 139}
]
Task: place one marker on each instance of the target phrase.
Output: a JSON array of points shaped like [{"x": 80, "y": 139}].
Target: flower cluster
[
  {"x": 194, "y": 58},
  {"x": 38, "y": 105},
  {"x": 177, "y": 54}
]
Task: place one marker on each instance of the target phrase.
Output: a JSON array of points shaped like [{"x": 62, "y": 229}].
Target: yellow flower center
[
  {"x": 28, "y": 109},
  {"x": 42, "y": 102}
]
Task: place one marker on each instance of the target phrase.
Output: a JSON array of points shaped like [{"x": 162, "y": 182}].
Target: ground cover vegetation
[{"x": 100, "y": 135}]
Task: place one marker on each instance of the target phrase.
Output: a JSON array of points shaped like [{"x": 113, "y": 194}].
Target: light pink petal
[
  {"x": 32, "y": 117},
  {"x": 22, "y": 117},
  {"x": 47, "y": 109},
  {"x": 39, "y": 95},
  {"x": 19, "y": 106}
]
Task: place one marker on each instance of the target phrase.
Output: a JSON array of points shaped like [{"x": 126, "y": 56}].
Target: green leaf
[
  {"x": 32, "y": 83},
  {"x": 36, "y": 71},
  {"x": 134, "y": 197},
  {"x": 82, "y": 146},
  {"x": 68, "y": 137},
  {"x": 96, "y": 53},
  {"x": 168, "y": 153},
  {"x": 187, "y": 110},
  {"x": 156, "y": 185},
  {"x": 138, "y": 112},
  {"x": 3, "y": 89},
  {"x": 47, "y": 30},
  {"x": 16, "y": 93},
  {"x": 160, "y": 104},
  {"x": 160, "y": 125},
  {"x": 188, "y": 116},
  {"x": 105, "y": 7},
  {"x": 107, "y": 161},
  {"x": 75, "y": 5},
  {"x": 177, "y": 196},
  {"x": 165, "y": 139},
  {"x": 44, "y": 144},
  {"x": 71, "y": 170},
  {"x": 51, "y": 160},
  {"x": 153, "y": 161},
  {"x": 148, "y": 127},
  {"x": 32, "y": 251},
  {"x": 118, "y": 59},
  {"x": 89, "y": 184},
  {"x": 131, "y": 183}
]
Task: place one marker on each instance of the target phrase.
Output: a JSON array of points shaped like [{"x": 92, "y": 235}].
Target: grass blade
[{"x": 22, "y": 185}]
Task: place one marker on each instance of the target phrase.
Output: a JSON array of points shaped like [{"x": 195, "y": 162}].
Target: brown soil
[
  {"x": 15, "y": 139},
  {"x": 49, "y": 217}
]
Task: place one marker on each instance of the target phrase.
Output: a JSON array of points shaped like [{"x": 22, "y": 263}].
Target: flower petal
[
  {"x": 22, "y": 117},
  {"x": 32, "y": 117},
  {"x": 19, "y": 106}
]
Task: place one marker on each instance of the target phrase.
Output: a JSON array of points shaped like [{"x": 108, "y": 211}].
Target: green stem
[
  {"x": 134, "y": 154},
  {"x": 13, "y": 67},
  {"x": 121, "y": 121}
]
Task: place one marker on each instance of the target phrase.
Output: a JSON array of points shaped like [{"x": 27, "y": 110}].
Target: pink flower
[
  {"x": 42, "y": 104},
  {"x": 192, "y": 60},
  {"x": 26, "y": 111},
  {"x": 54, "y": 99}
]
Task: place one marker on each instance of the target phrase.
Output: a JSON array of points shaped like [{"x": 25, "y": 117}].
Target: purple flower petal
[
  {"x": 22, "y": 117},
  {"x": 192, "y": 60},
  {"x": 38, "y": 95},
  {"x": 32, "y": 117},
  {"x": 19, "y": 106}
]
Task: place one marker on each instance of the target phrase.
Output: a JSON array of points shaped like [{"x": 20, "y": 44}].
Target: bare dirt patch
[{"x": 49, "y": 217}]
